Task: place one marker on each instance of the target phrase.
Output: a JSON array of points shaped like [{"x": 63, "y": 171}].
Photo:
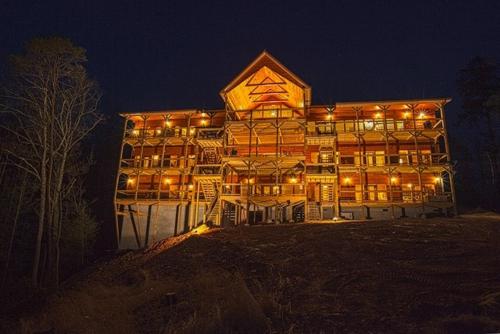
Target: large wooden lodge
[{"x": 272, "y": 156}]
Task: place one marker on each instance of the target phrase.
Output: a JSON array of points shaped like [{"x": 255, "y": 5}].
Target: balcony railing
[
  {"x": 210, "y": 133},
  {"x": 143, "y": 194},
  {"x": 329, "y": 128},
  {"x": 377, "y": 159},
  {"x": 398, "y": 196},
  {"x": 152, "y": 162},
  {"x": 207, "y": 169},
  {"x": 263, "y": 189}
]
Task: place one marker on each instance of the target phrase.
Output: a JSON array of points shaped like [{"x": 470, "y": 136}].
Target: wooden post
[
  {"x": 448, "y": 157},
  {"x": 115, "y": 202}
]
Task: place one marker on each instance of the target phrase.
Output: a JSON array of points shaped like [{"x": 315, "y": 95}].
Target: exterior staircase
[
  {"x": 211, "y": 155},
  {"x": 229, "y": 214},
  {"x": 209, "y": 189},
  {"x": 313, "y": 211}
]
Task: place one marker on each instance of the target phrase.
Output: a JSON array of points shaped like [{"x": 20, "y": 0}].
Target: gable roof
[{"x": 265, "y": 59}]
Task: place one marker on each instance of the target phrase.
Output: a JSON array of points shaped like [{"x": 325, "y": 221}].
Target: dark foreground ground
[{"x": 407, "y": 276}]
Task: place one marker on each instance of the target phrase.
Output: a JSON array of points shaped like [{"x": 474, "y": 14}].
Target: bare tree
[
  {"x": 49, "y": 106},
  {"x": 479, "y": 87}
]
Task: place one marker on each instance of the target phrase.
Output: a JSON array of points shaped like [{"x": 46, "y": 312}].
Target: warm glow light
[
  {"x": 156, "y": 157},
  {"x": 438, "y": 179},
  {"x": 190, "y": 186},
  {"x": 167, "y": 180},
  {"x": 329, "y": 116},
  {"x": 394, "y": 180},
  {"x": 325, "y": 187},
  {"x": 378, "y": 115},
  {"x": 273, "y": 113},
  {"x": 192, "y": 130},
  {"x": 203, "y": 122},
  {"x": 400, "y": 160},
  {"x": 203, "y": 114},
  {"x": 168, "y": 124},
  {"x": 347, "y": 180},
  {"x": 135, "y": 132},
  {"x": 293, "y": 179},
  {"x": 421, "y": 114},
  {"x": 406, "y": 114},
  {"x": 410, "y": 185},
  {"x": 158, "y": 131},
  {"x": 130, "y": 181},
  {"x": 251, "y": 181}
]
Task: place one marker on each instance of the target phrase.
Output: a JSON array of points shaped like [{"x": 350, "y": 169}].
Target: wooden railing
[
  {"x": 328, "y": 128},
  {"x": 210, "y": 133},
  {"x": 398, "y": 195},
  {"x": 151, "y": 162},
  {"x": 263, "y": 189}
]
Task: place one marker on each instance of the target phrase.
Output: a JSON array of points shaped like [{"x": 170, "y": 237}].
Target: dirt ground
[{"x": 405, "y": 276}]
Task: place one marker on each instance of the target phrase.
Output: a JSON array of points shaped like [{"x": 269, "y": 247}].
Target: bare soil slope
[{"x": 407, "y": 276}]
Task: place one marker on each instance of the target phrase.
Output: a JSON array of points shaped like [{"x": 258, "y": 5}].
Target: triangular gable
[{"x": 266, "y": 76}]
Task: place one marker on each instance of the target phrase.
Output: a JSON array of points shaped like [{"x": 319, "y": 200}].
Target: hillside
[{"x": 407, "y": 276}]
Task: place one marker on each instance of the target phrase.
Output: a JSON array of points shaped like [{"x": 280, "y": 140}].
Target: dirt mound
[{"x": 409, "y": 276}]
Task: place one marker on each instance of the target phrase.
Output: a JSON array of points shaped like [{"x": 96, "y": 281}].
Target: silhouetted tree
[
  {"x": 479, "y": 88},
  {"x": 49, "y": 105}
]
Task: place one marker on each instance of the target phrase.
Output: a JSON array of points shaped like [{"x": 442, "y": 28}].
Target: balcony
[
  {"x": 210, "y": 137},
  {"x": 399, "y": 196},
  {"x": 263, "y": 189},
  {"x": 332, "y": 128},
  {"x": 382, "y": 160},
  {"x": 151, "y": 164}
]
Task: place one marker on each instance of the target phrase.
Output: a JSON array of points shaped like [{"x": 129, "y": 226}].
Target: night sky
[{"x": 178, "y": 54}]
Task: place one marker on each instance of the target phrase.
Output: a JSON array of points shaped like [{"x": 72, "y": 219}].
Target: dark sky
[{"x": 165, "y": 54}]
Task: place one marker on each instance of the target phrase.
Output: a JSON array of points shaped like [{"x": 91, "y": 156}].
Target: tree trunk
[
  {"x": 41, "y": 216},
  {"x": 14, "y": 227}
]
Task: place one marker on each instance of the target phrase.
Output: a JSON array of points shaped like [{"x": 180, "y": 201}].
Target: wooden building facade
[{"x": 272, "y": 156}]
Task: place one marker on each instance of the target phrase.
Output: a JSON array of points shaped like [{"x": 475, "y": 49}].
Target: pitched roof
[{"x": 265, "y": 59}]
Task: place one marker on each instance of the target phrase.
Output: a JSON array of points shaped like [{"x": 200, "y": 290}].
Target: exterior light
[
  {"x": 167, "y": 180},
  {"x": 347, "y": 180},
  {"x": 293, "y": 179},
  {"x": 135, "y": 132},
  {"x": 438, "y": 179},
  {"x": 421, "y": 114},
  {"x": 394, "y": 180},
  {"x": 158, "y": 131},
  {"x": 400, "y": 160},
  {"x": 251, "y": 181},
  {"x": 410, "y": 185},
  {"x": 203, "y": 122},
  {"x": 203, "y": 114},
  {"x": 156, "y": 157},
  {"x": 168, "y": 124},
  {"x": 190, "y": 186},
  {"x": 325, "y": 187},
  {"x": 273, "y": 113},
  {"x": 192, "y": 130},
  {"x": 378, "y": 115},
  {"x": 406, "y": 114},
  {"x": 130, "y": 181}
]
